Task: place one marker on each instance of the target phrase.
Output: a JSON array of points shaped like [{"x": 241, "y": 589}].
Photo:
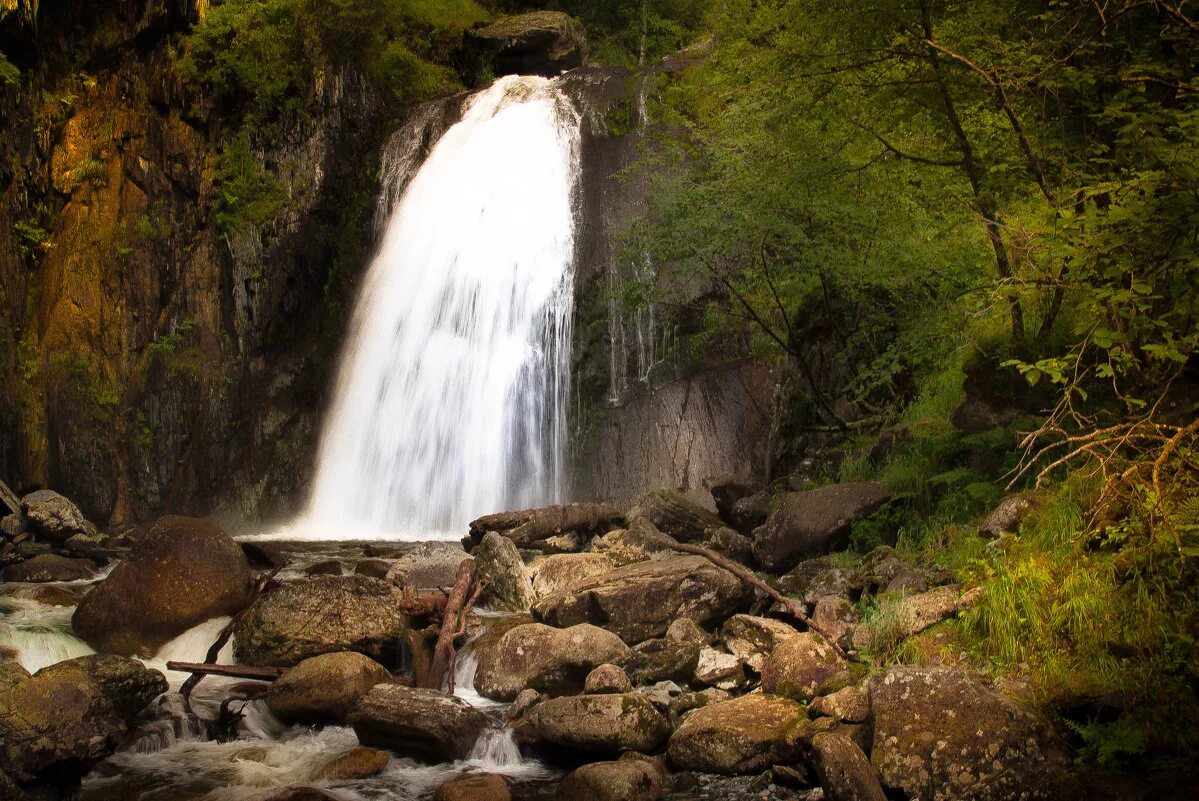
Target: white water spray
[{"x": 451, "y": 400}]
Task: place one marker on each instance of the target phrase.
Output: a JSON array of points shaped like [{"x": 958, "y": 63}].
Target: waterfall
[{"x": 451, "y": 397}]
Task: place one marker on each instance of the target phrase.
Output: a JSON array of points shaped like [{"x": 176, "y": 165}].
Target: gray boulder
[
  {"x": 550, "y": 660},
  {"x": 639, "y": 601},
  {"x": 53, "y": 517},
  {"x": 941, "y": 734},
  {"x": 425, "y": 725},
  {"x": 844, "y": 771},
  {"x": 802, "y": 667},
  {"x": 320, "y": 615},
  {"x": 602, "y": 725},
  {"x": 814, "y": 521},
  {"x": 182, "y": 572},
  {"x": 428, "y": 565},
  {"x": 674, "y": 514},
  {"x": 508, "y": 587}
]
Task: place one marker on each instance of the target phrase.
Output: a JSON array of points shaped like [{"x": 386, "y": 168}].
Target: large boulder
[
  {"x": 425, "y": 725},
  {"x": 537, "y": 43},
  {"x": 558, "y": 572},
  {"x": 53, "y": 517},
  {"x": 180, "y": 573},
  {"x": 639, "y": 601},
  {"x": 742, "y": 735},
  {"x": 320, "y": 615},
  {"x": 428, "y": 565},
  {"x": 633, "y": 778},
  {"x": 802, "y": 667},
  {"x": 59, "y": 722},
  {"x": 810, "y": 522},
  {"x": 844, "y": 771},
  {"x": 508, "y": 587},
  {"x": 50, "y": 567},
  {"x": 601, "y": 725},
  {"x": 941, "y": 734},
  {"x": 543, "y": 658},
  {"x": 349, "y": 765},
  {"x": 325, "y": 688},
  {"x": 674, "y": 514}
]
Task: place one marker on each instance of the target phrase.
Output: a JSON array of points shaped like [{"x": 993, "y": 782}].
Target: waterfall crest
[{"x": 452, "y": 393}]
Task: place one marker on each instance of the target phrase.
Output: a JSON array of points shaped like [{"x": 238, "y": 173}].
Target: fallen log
[
  {"x": 740, "y": 571},
  {"x": 530, "y": 525},
  {"x": 256, "y": 672},
  {"x": 453, "y": 626}
]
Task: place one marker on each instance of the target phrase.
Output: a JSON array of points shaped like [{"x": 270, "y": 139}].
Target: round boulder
[
  {"x": 325, "y": 688},
  {"x": 607, "y": 679},
  {"x": 54, "y": 517},
  {"x": 476, "y": 787},
  {"x": 740, "y": 736},
  {"x": 351, "y": 764},
  {"x": 555, "y": 661},
  {"x": 802, "y": 666},
  {"x": 321, "y": 615},
  {"x": 182, "y": 572},
  {"x": 627, "y": 779},
  {"x": 603, "y": 725}
]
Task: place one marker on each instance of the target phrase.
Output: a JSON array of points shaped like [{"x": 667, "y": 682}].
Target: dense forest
[{"x": 963, "y": 237}]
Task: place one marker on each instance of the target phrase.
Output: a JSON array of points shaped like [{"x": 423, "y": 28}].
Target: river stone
[
  {"x": 727, "y": 542},
  {"x": 301, "y": 794},
  {"x": 44, "y": 594},
  {"x": 848, "y": 705},
  {"x": 428, "y": 565},
  {"x": 739, "y": 736},
  {"x": 556, "y": 573},
  {"x": 818, "y": 578},
  {"x": 321, "y": 615},
  {"x": 844, "y": 771},
  {"x": 752, "y": 638},
  {"x": 543, "y": 658},
  {"x": 719, "y": 669},
  {"x": 631, "y": 778},
  {"x": 50, "y": 567},
  {"x": 941, "y": 734},
  {"x": 837, "y": 618},
  {"x": 325, "y": 688},
  {"x": 59, "y": 722},
  {"x": 351, "y": 764},
  {"x": 801, "y": 667},
  {"x": 639, "y": 601},
  {"x": 607, "y": 679},
  {"x": 182, "y": 572},
  {"x": 425, "y": 725},
  {"x": 1007, "y": 516},
  {"x": 53, "y": 517},
  {"x": 12, "y": 526},
  {"x": 537, "y": 43},
  {"x": 663, "y": 659},
  {"x": 508, "y": 587},
  {"x": 476, "y": 787},
  {"x": 814, "y": 521},
  {"x": 674, "y": 514},
  {"x": 726, "y": 490},
  {"x": 637, "y": 543},
  {"x": 750, "y": 512},
  {"x": 602, "y": 725}
]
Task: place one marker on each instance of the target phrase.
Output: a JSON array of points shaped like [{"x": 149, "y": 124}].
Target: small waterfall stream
[{"x": 451, "y": 399}]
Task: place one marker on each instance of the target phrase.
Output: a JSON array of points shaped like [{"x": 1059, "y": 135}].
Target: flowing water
[
  {"x": 452, "y": 395},
  {"x": 174, "y": 754}
]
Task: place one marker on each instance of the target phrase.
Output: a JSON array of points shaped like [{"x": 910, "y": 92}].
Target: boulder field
[{"x": 640, "y": 665}]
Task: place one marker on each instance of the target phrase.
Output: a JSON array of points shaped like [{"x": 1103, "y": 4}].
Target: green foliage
[
  {"x": 262, "y": 57},
  {"x": 91, "y": 170},
  {"x": 249, "y": 196},
  {"x": 9, "y": 74},
  {"x": 30, "y": 236}
]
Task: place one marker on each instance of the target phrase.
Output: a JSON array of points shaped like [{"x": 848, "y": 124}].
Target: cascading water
[{"x": 451, "y": 399}]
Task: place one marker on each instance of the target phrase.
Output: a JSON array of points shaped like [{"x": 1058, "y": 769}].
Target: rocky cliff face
[{"x": 150, "y": 361}]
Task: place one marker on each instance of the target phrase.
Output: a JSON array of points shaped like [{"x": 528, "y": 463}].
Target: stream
[{"x": 170, "y": 755}]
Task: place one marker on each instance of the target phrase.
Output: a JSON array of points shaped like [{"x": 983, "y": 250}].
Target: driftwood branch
[
  {"x": 10, "y": 499},
  {"x": 792, "y": 606},
  {"x": 453, "y": 625},
  {"x": 255, "y": 672}
]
